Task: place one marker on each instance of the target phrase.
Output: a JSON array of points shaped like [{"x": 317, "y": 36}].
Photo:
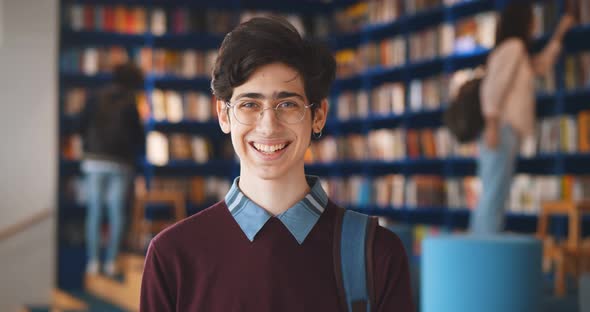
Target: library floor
[{"x": 102, "y": 294}]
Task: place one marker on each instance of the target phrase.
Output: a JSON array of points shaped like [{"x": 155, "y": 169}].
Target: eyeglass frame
[{"x": 228, "y": 105}]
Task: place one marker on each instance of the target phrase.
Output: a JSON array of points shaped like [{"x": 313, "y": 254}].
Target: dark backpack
[
  {"x": 111, "y": 125},
  {"x": 464, "y": 117}
]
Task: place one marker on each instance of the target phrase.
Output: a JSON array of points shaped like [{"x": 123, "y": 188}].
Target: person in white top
[{"x": 508, "y": 104}]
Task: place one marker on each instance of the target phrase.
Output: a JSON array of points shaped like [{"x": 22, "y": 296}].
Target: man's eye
[
  {"x": 289, "y": 105},
  {"x": 248, "y": 105}
]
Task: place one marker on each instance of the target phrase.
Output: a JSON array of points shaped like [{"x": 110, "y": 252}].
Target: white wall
[{"x": 28, "y": 147}]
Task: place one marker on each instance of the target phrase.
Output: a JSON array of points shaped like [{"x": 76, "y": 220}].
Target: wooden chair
[
  {"x": 570, "y": 255},
  {"x": 141, "y": 227}
]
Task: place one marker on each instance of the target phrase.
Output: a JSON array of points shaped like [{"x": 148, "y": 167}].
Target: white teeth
[{"x": 268, "y": 148}]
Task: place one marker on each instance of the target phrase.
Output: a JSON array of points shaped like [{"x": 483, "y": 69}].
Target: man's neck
[{"x": 276, "y": 195}]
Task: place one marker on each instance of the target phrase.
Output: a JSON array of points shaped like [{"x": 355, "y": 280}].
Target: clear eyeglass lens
[{"x": 250, "y": 112}]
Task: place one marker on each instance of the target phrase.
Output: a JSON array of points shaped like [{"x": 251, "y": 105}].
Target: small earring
[{"x": 317, "y": 135}]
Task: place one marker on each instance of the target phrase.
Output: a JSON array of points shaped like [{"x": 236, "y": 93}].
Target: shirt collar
[{"x": 299, "y": 219}]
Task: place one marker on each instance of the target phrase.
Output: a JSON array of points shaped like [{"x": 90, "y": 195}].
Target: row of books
[
  {"x": 390, "y": 98},
  {"x": 466, "y": 35},
  {"x": 387, "y": 53},
  {"x": 397, "y": 191},
  {"x": 529, "y": 191},
  {"x": 198, "y": 190},
  {"x": 188, "y": 63},
  {"x": 139, "y": 20},
  {"x": 565, "y": 133},
  {"x": 177, "y": 20},
  {"x": 435, "y": 192},
  {"x": 577, "y": 70},
  {"x": 353, "y": 17},
  {"x": 73, "y": 100},
  {"x": 374, "y": 12},
  {"x": 162, "y": 148},
  {"x": 391, "y": 145},
  {"x": 433, "y": 92},
  {"x": 92, "y": 61},
  {"x": 174, "y": 106}
]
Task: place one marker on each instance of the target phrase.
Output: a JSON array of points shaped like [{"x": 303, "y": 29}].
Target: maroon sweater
[{"x": 206, "y": 263}]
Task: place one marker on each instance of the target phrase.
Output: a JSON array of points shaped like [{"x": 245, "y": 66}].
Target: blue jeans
[
  {"x": 495, "y": 168},
  {"x": 106, "y": 188}
]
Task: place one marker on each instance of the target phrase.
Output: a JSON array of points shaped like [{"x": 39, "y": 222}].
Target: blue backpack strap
[{"x": 356, "y": 260}]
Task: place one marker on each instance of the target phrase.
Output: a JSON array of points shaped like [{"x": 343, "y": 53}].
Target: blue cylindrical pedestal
[{"x": 464, "y": 273}]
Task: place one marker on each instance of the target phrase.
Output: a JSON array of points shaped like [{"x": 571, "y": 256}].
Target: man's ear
[
  {"x": 222, "y": 116},
  {"x": 320, "y": 115}
]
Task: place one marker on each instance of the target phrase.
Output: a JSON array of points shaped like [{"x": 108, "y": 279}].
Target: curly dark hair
[{"x": 265, "y": 40}]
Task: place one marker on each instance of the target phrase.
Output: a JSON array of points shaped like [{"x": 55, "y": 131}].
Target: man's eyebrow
[
  {"x": 276, "y": 96},
  {"x": 286, "y": 94},
  {"x": 251, "y": 95}
]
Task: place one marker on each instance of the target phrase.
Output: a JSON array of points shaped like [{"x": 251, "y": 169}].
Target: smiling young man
[{"x": 269, "y": 245}]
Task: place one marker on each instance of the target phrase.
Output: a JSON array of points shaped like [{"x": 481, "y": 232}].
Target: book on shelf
[
  {"x": 387, "y": 53},
  {"x": 71, "y": 147},
  {"x": 353, "y": 105},
  {"x": 74, "y": 101},
  {"x": 387, "y": 144},
  {"x": 187, "y": 63},
  {"x": 388, "y": 98},
  {"x": 584, "y": 131},
  {"x": 175, "y": 106},
  {"x": 545, "y": 17},
  {"x": 471, "y": 33},
  {"x": 74, "y": 190},
  {"x": 425, "y": 44},
  {"x": 415, "y": 6},
  {"x": 577, "y": 70},
  {"x": 163, "y": 148},
  {"x": 198, "y": 190},
  {"x": 428, "y": 93},
  {"x": 180, "y": 147},
  {"x": 581, "y": 10},
  {"x": 348, "y": 63},
  {"x": 157, "y": 148},
  {"x": 563, "y": 133},
  {"x": 106, "y": 18},
  {"x": 351, "y": 18},
  {"x": 384, "y": 11}
]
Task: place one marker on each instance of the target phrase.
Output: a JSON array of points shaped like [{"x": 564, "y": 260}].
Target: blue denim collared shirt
[{"x": 299, "y": 219}]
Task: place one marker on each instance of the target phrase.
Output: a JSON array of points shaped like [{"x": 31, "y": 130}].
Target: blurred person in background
[
  {"x": 113, "y": 137},
  {"x": 507, "y": 96}
]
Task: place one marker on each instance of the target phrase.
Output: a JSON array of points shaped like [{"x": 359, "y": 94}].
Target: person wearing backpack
[
  {"x": 113, "y": 138},
  {"x": 507, "y": 97},
  {"x": 276, "y": 242}
]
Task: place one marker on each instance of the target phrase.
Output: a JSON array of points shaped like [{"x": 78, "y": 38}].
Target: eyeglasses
[{"x": 248, "y": 112}]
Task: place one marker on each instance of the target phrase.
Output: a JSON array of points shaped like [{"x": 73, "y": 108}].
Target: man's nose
[{"x": 268, "y": 119}]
